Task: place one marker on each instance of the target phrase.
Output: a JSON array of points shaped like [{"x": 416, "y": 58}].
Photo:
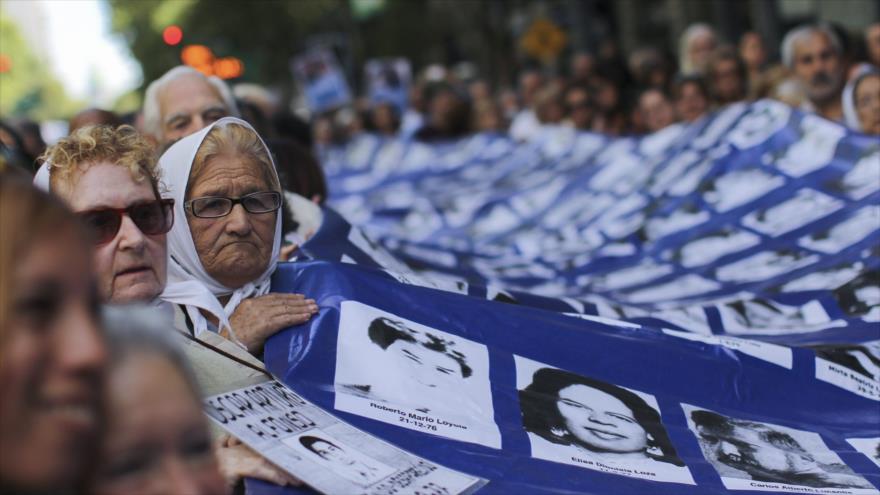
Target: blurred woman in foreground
[
  {"x": 52, "y": 352},
  {"x": 157, "y": 439}
]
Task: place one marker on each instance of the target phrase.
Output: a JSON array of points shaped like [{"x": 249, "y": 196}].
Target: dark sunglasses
[
  {"x": 218, "y": 206},
  {"x": 152, "y": 218}
]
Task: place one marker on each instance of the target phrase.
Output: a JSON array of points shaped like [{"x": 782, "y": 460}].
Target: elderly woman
[
  {"x": 52, "y": 352},
  {"x": 861, "y": 103},
  {"x": 109, "y": 177},
  {"x": 222, "y": 256}
]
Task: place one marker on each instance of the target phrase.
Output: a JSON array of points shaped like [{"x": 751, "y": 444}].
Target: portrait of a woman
[{"x": 598, "y": 419}]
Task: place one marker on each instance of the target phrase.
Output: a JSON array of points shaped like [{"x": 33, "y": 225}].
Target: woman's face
[
  {"x": 156, "y": 440},
  {"x": 53, "y": 359},
  {"x": 131, "y": 267},
  {"x": 600, "y": 421},
  {"x": 867, "y": 101},
  {"x": 237, "y": 248}
]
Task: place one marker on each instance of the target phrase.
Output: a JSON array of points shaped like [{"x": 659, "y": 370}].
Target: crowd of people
[{"x": 186, "y": 208}]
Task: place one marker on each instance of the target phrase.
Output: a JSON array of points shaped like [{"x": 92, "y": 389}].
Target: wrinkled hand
[
  {"x": 258, "y": 318},
  {"x": 237, "y": 461}
]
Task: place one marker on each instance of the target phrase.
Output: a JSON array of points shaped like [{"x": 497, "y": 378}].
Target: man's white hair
[
  {"x": 687, "y": 37},
  {"x": 152, "y": 113},
  {"x": 802, "y": 33}
]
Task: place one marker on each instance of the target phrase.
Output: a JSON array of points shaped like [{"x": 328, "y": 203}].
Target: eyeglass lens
[
  {"x": 152, "y": 218},
  {"x": 262, "y": 202}
]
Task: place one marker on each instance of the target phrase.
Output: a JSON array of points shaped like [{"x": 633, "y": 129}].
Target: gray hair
[
  {"x": 152, "y": 114},
  {"x": 142, "y": 329},
  {"x": 687, "y": 37},
  {"x": 800, "y": 34}
]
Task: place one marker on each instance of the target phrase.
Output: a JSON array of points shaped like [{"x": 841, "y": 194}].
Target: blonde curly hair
[{"x": 70, "y": 157}]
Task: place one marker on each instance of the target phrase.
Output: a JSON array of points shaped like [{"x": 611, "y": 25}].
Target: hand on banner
[
  {"x": 237, "y": 461},
  {"x": 287, "y": 251},
  {"x": 258, "y": 318}
]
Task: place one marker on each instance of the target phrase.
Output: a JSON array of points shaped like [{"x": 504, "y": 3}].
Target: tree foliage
[
  {"x": 27, "y": 87},
  {"x": 266, "y": 34}
]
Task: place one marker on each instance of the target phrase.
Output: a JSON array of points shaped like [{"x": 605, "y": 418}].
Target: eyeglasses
[
  {"x": 218, "y": 206},
  {"x": 151, "y": 218}
]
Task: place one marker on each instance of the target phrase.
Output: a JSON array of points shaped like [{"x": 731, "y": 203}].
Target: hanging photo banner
[
  {"x": 695, "y": 311},
  {"x": 388, "y": 81},
  {"x": 322, "y": 80}
]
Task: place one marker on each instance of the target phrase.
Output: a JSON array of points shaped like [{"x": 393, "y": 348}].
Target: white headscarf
[
  {"x": 850, "y": 116},
  {"x": 188, "y": 282},
  {"x": 41, "y": 179}
]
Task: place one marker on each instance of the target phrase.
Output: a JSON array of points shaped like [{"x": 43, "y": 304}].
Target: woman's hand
[
  {"x": 258, "y": 318},
  {"x": 287, "y": 251},
  {"x": 237, "y": 461}
]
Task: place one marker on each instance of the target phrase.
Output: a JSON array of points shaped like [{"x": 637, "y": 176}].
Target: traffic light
[
  {"x": 201, "y": 58},
  {"x": 172, "y": 35}
]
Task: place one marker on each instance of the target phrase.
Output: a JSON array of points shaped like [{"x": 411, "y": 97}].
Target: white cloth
[
  {"x": 41, "y": 179},
  {"x": 525, "y": 125},
  {"x": 188, "y": 282}
]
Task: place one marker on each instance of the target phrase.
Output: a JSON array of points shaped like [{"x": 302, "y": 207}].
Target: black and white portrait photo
[
  {"x": 751, "y": 455},
  {"x": 764, "y": 265},
  {"x": 761, "y": 315},
  {"x": 868, "y": 446},
  {"x": 739, "y": 187},
  {"x": 589, "y": 423},
  {"x": 860, "y": 297},
  {"x": 706, "y": 249},
  {"x": 807, "y": 205},
  {"x": 847, "y": 232},
  {"x": 401, "y": 372},
  {"x": 338, "y": 457},
  {"x": 853, "y": 367}
]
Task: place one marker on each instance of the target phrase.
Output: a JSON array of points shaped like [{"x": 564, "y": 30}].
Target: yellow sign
[{"x": 544, "y": 39}]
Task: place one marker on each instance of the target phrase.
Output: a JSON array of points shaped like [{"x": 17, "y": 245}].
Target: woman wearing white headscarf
[
  {"x": 861, "y": 103},
  {"x": 221, "y": 259}
]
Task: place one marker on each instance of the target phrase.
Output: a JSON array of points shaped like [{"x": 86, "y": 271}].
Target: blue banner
[{"x": 696, "y": 311}]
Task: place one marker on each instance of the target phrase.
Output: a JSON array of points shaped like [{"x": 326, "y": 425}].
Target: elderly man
[
  {"x": 184, "y": 101},
  {"x": 813, "y": 53}
]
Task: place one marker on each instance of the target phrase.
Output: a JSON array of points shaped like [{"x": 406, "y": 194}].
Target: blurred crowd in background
[
  {"x": 822, "y": 69},
  {"x": 54, "y": 354}
]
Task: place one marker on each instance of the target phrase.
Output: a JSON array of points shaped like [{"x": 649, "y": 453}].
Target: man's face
[
  {"x": 131, "y": 267},
  {"x": 429, "y": 368},
  {"x": 187, "y": 105},
  {"x": 746, "y": 450},
  {"x": 818, "y": 66}
]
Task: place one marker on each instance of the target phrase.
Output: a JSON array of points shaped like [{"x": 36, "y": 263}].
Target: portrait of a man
[
  {"x": 744, "y": 449},
  {"x": 402, "y": 372}
]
